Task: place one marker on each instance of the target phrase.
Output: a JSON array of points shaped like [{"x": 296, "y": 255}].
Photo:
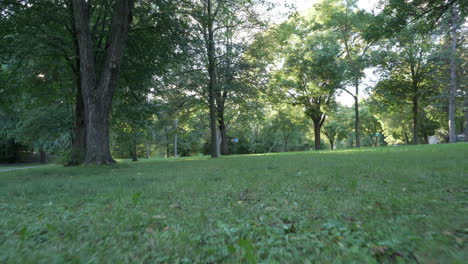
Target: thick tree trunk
[
  {"x": 356, "y": 119},
  {"x": 317, "y": 126},
  {"x": 331, "y": 144},
  {"x": 453, "y": 77},
  {"x": 415, "y": 121},
  {"x": 212, "y": 82},
  {"x": 98, "y": 91}
]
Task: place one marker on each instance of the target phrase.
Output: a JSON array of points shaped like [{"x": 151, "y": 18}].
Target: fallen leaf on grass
[
  {"x": 160, "y": 216},
  {"x": 175, "y": 206}
]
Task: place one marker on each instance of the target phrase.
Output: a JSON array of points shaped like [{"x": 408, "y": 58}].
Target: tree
[
  {"x": 406, "y": 69},
  {"x": 352, "y": 27},
  {"x": 308, "y": 69},
  {"x": 453, "y": 75},
  {"x": 338, "y": 125},
  {"x": 98, "y": 82},
  {"x": 217, "y": 23},
  {"x": 397, "y": 14},
  {"x": 287, "y": 120}
]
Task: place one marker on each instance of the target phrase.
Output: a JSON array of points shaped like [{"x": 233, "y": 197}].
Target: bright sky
[{"x": 368, "y": 5}]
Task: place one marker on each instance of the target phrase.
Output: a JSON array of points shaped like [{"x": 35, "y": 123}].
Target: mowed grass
[{"x": 387, "y": 205}]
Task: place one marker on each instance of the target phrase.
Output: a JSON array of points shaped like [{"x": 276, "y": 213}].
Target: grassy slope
[{"x": 363, "y": 206}]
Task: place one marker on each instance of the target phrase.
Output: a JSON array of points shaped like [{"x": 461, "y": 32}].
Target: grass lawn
[{"x": 405, "y": 204}]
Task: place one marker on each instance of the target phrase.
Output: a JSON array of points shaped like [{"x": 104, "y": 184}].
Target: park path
[{"x": 22, "y": 168}]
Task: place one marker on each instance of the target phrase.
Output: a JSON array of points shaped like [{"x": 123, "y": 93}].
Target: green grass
[{"x": 387, "y": 205}]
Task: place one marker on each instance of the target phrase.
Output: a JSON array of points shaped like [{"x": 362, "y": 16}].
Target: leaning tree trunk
[
  {"x": 98, "y": 90},
  {"x": 415, "y": 121},
  {"x": 453, "y": 77}
]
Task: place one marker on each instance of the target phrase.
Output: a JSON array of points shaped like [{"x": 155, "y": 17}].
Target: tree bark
[
  {"x": 223, "y": 131},
  {"x": 167, "y": 143},
  {"x": 79, "y": 131},
  {"x": 453, "y": 77},
  {"x": 212, "y": 85},
  {"x": 466, "y": 116},
  {"x": 415, "y": 121},
  {"x": 356, "y": 118},
  {"x": 147, "y": 150},
  {"x": 175, "y": 139},
  {"x": 286, "y": 149},
  {"x": 317, "y": 126},
  {"x": 98, "y": 89},
  {"x": 134, "y": 149}
]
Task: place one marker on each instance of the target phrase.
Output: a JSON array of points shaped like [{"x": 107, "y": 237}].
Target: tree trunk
[
  {"x": 331, "y": 143},
  {"x": 407, "y": 141},
  {"x": 167, "y": 144},
  {"x": 42, "y": 156},
  {"x": 212, "y": 84},
  {"x": 357, "y": 133},
  {"x": 453, "y": 78},
  {"x": 79, "y": 132},
  {"x": 466, "y": 116},
  {"x": 175, "y": 139},
  {"x": 373, "y": 142},
  {"x": 317, "y": 126},
  {"x": 98, "y": 90},
  {"x": 223, "y": 131},
  {"x": 134, "y": 149},
  {"x": 415, "y": 121},
  {"x": 147, "y": 150},
  {"x": 286, "y": 149}
]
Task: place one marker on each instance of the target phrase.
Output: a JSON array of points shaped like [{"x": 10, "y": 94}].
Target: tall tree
[
  {"x": 352, "y": 27},
  {"x": 218, "y": 23},
  {"x": 98, "y": 82},
  {"x": 406, "y": 68},
  {"x": 453, "y": 76},
  {"x": 305, "y": 68}
]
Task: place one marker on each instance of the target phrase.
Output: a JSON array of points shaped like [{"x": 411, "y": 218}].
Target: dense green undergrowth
[{"x": 386, "y": 205}]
